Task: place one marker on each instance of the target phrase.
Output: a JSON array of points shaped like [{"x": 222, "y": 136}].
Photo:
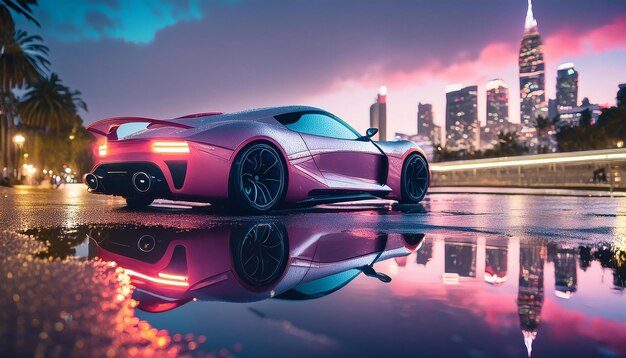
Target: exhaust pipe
[
  {"x": 142, "y": 182},
  {"x": 92, "y": 181}
]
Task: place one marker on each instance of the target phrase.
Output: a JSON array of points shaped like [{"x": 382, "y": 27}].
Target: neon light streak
[{"x": 525, "y": 162}]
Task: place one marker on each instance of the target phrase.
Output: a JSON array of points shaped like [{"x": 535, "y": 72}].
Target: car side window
[{"x": 322, "y": 125}]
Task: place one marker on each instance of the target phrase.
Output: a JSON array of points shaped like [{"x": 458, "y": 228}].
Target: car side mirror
[{"x": 371, "y": 132}]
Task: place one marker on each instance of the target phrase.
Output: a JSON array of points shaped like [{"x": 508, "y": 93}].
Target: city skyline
[{"x": 222, "y": 69}]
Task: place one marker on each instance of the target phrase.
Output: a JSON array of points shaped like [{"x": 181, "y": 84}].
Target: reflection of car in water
[{"x": 244, "y": 263}]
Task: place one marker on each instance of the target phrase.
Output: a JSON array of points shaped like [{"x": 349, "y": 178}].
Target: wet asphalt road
[
  {"x": 536, "y": 274},
  {"x": 521, "y": 216}
]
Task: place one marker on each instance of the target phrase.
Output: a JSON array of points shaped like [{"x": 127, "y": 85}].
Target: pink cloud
[
  {"x": 565, "y": 43},
  {"x": 498, "y": 56}
]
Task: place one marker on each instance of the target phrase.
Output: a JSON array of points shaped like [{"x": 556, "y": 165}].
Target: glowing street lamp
[{"x": 19, "y": 140}]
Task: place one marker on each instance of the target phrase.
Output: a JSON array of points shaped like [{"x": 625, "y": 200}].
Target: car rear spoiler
[{"x": 108, "y": 127}]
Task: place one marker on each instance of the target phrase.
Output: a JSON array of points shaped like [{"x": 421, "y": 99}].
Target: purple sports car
[{"x": 254, "y": 160}]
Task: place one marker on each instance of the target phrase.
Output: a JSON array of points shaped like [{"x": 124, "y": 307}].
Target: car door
[{"x": 345, "y": 160}]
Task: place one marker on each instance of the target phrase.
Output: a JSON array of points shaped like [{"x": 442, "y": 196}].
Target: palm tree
[
  {"x": 49, "y": 110},
  {"x": 22, "y": 62},
  {"x": 51, "y": 106},
  {"x": 21, "y": 7}
]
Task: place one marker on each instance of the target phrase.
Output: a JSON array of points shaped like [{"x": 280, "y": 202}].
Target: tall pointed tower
[{"x": 531, "y": 74}]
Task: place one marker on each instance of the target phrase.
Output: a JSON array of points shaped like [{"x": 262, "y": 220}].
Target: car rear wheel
[
  {"x": 415, "y": 179},
  {"x": 258, "y": 179},
  {"x": 138, "y": 203}
]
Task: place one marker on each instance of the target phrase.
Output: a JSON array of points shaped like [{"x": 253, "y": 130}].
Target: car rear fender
[{"x": 302, "y": 172}]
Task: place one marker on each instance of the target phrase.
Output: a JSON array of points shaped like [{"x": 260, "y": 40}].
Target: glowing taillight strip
[
  {"x": 102, "y": 150},
  {"x": 170, "y": 147},
  {"x": 156, "y": 279},
  {"x": 172, "y": 277},
  {"x": 524, "y": 162}
]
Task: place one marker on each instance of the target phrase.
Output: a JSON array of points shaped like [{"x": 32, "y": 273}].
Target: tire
[
  {"x": 260, "y": 253},
  {"x": 138, "y": 203},
  {"x": 258, "y": 179},
  {"x": 415, "y": 179}
]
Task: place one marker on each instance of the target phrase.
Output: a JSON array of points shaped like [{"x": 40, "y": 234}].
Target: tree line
[
  {"x": 608, "y": 132},
  {"x": 35, "y": 103}
]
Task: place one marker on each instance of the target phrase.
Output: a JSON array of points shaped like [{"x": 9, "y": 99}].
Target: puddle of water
[{"x": 279, "y": 288}]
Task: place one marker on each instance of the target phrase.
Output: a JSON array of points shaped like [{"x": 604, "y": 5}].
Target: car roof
[{"x": 251, "y": 114}]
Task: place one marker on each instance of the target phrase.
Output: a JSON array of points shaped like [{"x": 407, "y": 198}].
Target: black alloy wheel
[
  {"x": 415, "y": 179},
  {"x": 258, "y": 178}
]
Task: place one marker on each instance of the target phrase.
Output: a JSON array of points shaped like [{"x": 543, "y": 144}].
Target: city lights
[{"x": 19, "y": 139}]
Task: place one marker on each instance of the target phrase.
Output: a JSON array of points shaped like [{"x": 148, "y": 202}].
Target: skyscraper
[
  {"x": 531, "y": 74},
  {"x": 462, "y": 126},
  {"x": 530, "y": 294},
  {"x": 566, "y": 87},
  {"x": 378, "y": 115},
  {"x": 425, "y": 119},
  {"x": 497, "y": 112},
  {"x": 426, "y": 126}
]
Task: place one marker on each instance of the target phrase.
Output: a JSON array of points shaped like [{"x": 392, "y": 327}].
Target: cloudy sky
[{"x": 164, "y": 58}]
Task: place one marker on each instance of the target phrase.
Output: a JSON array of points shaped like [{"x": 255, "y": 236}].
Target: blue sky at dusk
[{"x": 163, "y": 58}]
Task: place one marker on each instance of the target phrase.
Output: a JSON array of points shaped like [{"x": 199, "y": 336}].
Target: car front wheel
[
  {"x": 258, "y": 179},
  {"x": 415, "y": 179}
]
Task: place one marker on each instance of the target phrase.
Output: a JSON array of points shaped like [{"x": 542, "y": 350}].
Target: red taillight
[
  {"x": 170, "y": 147},
  {"x": 102, "y": 150}
]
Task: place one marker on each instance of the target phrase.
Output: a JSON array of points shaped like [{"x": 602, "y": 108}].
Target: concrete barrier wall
[{"x": 602, "y": 169}]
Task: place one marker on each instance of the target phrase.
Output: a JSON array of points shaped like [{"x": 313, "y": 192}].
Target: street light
[{"x": 19, "y": 140}]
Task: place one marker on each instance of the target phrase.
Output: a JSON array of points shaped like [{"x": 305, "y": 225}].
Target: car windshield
[{"x": 318, "y": 123}]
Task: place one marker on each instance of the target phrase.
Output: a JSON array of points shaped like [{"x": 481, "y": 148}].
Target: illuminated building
[
  {"x": 462, "y": 126},
  {"x": 497, "y": 113},
  {"x": 425, "y": 119},
  {"x": 378, "y": 115},
  {"x": 572, "y": 117},
  {"x": 426, "y": 126},
  {"x": 530, "y": 293},
  {"x": 566, "y": 87},
  {"x": 531, "y": 75}
]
